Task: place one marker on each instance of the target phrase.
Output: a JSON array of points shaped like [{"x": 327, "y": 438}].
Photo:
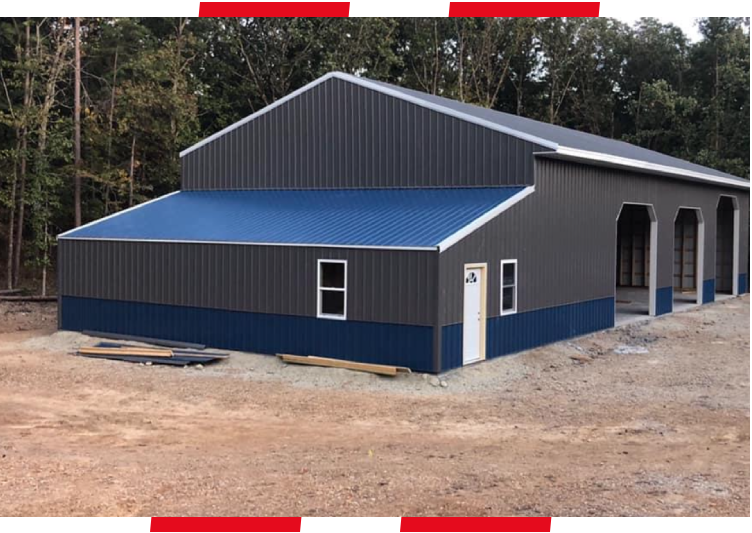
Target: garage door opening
[
  {"x": 727, "y": 247},
  {"x": 688, "y": 256},
  {"x": 636, "y": 234}
]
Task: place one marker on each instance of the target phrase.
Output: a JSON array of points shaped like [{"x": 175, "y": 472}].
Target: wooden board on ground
[
  {"x": 384, "y": 370},
  {"x": 146, "y": 352}
]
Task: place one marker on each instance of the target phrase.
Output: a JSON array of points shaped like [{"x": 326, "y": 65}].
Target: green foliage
[{"x": 153, "y": 86}]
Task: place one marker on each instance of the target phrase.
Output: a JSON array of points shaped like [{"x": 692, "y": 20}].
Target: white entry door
[{"x": 471, "y": 329}]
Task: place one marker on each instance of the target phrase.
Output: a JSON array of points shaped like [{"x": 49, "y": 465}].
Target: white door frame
[
  {"x": 699, "y": 250},
  {"x": 483, "y": 267},
  {"x": 653, "y": 281},
  {"x": 737, "y": 241}
]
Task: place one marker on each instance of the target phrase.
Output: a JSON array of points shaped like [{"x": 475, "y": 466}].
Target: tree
[
  {"x": 77, "y": 123},
  {"x": 561, "y": 52}
]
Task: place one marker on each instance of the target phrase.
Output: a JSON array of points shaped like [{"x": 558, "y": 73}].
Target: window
[
  {"x": 508, "y": 286},
  {"x": 332, "y": 289}
]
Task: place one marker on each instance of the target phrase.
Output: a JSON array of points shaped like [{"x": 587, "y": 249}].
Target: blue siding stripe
[
  {"x": 708, "y": 291},
  {"x": 664, "y": 301},
  {"x": 366, "y": 342},
  {"x": 743, "y": 287},
  {"x": 523, "y": 331}
]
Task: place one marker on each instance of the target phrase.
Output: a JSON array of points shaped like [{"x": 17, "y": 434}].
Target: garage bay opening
[
  {"x": 726, "y": 243},
  {"x": 687, "y": 258},
  {"x": 634, "y": 237}
]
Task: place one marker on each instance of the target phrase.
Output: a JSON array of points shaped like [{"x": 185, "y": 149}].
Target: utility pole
[{"x": 77, "y": 123}]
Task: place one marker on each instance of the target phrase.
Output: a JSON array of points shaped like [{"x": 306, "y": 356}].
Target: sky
[{"x": 685, "y": 23}]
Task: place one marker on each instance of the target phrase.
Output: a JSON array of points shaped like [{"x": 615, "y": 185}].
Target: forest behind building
[{"x": 95, "y": 111}]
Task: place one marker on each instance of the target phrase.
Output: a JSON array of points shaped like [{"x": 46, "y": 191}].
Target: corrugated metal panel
[
  {"x": 383, "y": 286},
  {"x": 342, "y": 135},
  {"x": 664, "y": 300},
  {"x": 522, "y": 331},
  {"x": 564, "y": 236},
  {"x": 376, "y": 217},
  {"x": 565, "y": 137},
  {"x": 365, "y": 342},
  {"x": 708, "y": 291},
  {"x": 743, "y": 287}
]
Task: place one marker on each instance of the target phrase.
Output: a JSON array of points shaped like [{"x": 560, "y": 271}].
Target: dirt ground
[{"x": 649, "y": 419}]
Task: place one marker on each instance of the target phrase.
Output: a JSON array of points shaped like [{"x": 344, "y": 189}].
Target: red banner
[
  {"x": 407, "y": 525},
  {"x": 224, "y": 524},
  {"x": 274, "y": 9},
  {"x": 524, "y": 9},
  {"x": 480, "y": 525}
]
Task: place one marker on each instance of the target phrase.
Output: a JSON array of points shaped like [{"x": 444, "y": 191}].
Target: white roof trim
[
  {"x": 584, "y": 155},
  {"x": 94, "y": 222},
  {"x": 384, "y": 90},
  {"x": 258, "y": 113},
  {"x": 243, "y": 243},
  {"x": 445, "y": 110},
  {"x": 484, "y": 219}
]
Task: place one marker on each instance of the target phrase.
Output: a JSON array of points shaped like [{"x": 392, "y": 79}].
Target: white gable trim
[
  {"x": 484, "y": 219},
  {"x": 384, "y": 90}
]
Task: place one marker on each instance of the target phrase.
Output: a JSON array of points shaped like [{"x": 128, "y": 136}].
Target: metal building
[{"x": 359, "y": 220}]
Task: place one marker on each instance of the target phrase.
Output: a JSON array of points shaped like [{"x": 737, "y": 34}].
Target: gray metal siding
[
  {"x": 388, "y": 286},
  {"x": 342, "y": 135},
  {"x": 564, "y": 236}
]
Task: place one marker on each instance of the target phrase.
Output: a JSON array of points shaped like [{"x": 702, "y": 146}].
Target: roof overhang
[{"x": 623, "y": 163}]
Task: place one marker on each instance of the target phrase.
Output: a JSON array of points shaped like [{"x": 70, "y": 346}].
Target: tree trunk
[
  {"x": 17, "y": 247},
  {"x": 77, "y": 123},
  {"x": 131, "y": 175},
  {"x": 11, "y": 223},
  {"x": 46, "y": 257}
]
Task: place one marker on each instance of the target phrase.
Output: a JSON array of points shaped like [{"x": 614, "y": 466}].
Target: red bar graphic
[
  {"x": 481, "y": 525},
  {"x": 524, "y": 9},
  {"x": 274, "y": 9},
  {"x": 224, "y": 525}
]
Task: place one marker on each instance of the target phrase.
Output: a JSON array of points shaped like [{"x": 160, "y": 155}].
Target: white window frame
[
  {"x": 320, "y": 288},
  {"x": 513, "y": 310}
]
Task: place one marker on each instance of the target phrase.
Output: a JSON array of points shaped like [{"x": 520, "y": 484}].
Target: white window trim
[
  {"x": 320, "y": 288},
  {"x": 513, "y": 310}
]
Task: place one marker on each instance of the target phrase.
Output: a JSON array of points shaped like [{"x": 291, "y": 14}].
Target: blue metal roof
[{"x": 363, "y": 217}]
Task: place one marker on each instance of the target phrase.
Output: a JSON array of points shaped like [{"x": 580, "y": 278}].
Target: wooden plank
[
  {"x": 399, "y": 369},
  {"x": 146, "y": 352},
  {"x": 384, "y": 370}
]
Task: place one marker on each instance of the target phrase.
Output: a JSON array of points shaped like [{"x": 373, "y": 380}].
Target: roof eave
[{"x": 595, "y": 158}]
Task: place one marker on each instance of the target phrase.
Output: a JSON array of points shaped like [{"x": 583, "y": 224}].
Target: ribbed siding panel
[
  {"x": 367, "y": 342},
  {"x": 522, "y": 331},
  {"x": 743, "y": 286},
  {"x": 342, "y": 135},
  {"x": 708, "y": 291},
  {"x": 564, "y": 236},
  {"x": 664, "y": 300},
  {"x": 395, "y": 287}
]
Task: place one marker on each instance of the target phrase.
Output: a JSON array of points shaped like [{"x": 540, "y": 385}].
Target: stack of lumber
[
  {"x": 383, "y": 370},
  {"x": 157, "y": 356}
]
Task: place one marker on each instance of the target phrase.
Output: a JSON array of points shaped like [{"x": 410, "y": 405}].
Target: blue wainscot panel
[
  {"x": 708, "y": 291},
  {"x": 743, "y": 287},
  {"x": 664, "y": 300},
  {"x": 366, "y": 342},
  {"x": 523, "y": 331}
]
